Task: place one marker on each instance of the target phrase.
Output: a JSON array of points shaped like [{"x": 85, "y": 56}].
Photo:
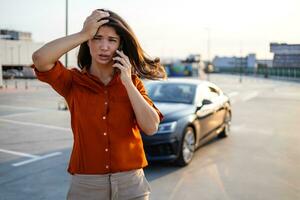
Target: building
[
  {"x": 17, "y": 52},
  {"x": 285, "y": 55},
  {"x": 235, "y": 62},
  {"x": 15, "y": 57},
  {"x": 264, "y": 63},
  {"x": 14, "y": 35},
  {"x": 16, "y": 49}
]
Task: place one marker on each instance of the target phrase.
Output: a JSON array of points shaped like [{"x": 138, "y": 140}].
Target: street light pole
[
  {"x": 240, "y": 70},
  {"x": 66, "y": 56},
  {"x": 19, "y": 59},
  {"x": 241, "y": 63},
  {"x": 11, "y": 55},
  {"x": 208, "y": 43},
  {"x": 208, "y": 52}
]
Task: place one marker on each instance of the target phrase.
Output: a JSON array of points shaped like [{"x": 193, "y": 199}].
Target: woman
[{"x": 108, "y": 105}]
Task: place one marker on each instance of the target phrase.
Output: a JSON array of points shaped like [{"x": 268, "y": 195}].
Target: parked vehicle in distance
[{"x": 194, "y": 112}]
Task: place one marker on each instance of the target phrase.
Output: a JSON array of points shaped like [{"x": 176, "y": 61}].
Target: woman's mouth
[{"x": 104, "y": 57}]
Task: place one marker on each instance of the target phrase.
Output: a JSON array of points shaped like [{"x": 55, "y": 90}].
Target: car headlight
[{"x": 166, "y": 127}]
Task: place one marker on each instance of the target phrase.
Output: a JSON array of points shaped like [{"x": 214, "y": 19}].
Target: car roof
[{"x": 184, "y": 80}]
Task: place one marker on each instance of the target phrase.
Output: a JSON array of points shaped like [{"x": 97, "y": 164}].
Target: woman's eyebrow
[
  {"x": 113, "y": 37},
  {"x": 100, "y": 36}
]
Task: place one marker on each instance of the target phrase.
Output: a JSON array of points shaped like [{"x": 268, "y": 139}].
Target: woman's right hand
[{"x": 93, "y": 22}]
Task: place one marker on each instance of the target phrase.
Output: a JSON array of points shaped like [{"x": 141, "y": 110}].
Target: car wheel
[
  {"x": 187, "y": 147},
  {"x": 226, "y": 129}
]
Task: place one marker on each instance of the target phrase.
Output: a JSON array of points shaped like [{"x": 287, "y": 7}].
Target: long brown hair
[{"x": 143, "y": 65}]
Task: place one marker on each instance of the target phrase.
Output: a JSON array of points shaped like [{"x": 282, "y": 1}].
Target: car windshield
[{"x": 171, "y": 92}]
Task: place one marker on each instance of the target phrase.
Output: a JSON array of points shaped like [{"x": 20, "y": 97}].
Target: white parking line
[
  {"x": 250, "y": 96},
  {"x": 35, "y": 124},
  {"x": 22, "y": 107},
  {"x": 18, "y": 153},
  {"x": 18, "y": 114},
  {"x": 232, "y": 94},
  {"x": 34, "y": 158}
]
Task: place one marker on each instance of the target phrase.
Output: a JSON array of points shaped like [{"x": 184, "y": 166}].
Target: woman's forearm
[
  {"x": 147, "y": 117},
  {"x": 45, "y": 57}
]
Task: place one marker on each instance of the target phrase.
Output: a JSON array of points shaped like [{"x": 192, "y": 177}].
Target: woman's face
[{"x": 104, "y": 45}]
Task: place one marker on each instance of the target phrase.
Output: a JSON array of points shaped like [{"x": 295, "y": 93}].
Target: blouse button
[
  {"x": 106, "y": 150},
  {"x": 104, "y": 117},
  {"x": 106, "y": 166},
  {"x": 104, "y": 133}
]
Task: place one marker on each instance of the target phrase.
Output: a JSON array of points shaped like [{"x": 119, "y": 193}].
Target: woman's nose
[{"x": 104, "y": 45}]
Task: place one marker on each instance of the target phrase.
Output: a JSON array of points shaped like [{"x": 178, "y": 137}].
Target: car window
[
  {"x": 213, "y": 93},
  {"x": 207, "y": 92},
  {"x": 203, "y": 93},
  {"x": 171, "y": 92}
]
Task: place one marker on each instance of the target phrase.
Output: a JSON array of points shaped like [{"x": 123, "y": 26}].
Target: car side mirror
[
  {"x": 206, "y": 102},
  {"x": 203, "y": 103}
]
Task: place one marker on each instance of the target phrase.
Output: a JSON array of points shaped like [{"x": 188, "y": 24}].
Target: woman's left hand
[{"x": 124, "y": 65}]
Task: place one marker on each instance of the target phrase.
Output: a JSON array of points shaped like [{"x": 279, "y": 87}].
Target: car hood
[{"x": 174, "y": 111}]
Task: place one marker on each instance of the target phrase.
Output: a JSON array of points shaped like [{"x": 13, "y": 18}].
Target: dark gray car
[{"x": 194, "y": 112}]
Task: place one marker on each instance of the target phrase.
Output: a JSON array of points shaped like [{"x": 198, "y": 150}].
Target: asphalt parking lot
[{"x": 259, "y": 159}]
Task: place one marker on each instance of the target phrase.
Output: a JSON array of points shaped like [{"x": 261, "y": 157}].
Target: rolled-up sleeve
[
  {"x": 140, "y": 86},
  {"x": 59, "y": 77}
]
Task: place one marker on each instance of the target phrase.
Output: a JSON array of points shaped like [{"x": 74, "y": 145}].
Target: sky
[{"x": 170, "y": 28}]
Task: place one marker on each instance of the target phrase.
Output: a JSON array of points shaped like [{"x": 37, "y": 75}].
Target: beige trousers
[{"x": 117, "y": 186}]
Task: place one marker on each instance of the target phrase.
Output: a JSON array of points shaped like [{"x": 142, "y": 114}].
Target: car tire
[
  {"x": 226, "y": 129},
  {"x": 187, "y": 147}
]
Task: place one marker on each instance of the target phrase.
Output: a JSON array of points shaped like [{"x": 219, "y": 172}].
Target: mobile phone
[
  {"x": 120, "y": 46},
  {"x": 120, "y": 49}
]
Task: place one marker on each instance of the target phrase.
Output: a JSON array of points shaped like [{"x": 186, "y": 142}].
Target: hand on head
[{"x": 94, "y": 21}]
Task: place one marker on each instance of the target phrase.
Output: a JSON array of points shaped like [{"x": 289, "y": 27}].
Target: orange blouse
[{"x": 106, "y": 134}]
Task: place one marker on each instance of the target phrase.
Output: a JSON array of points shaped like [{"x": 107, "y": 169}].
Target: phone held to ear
[{"x": 116, "y": 55}]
